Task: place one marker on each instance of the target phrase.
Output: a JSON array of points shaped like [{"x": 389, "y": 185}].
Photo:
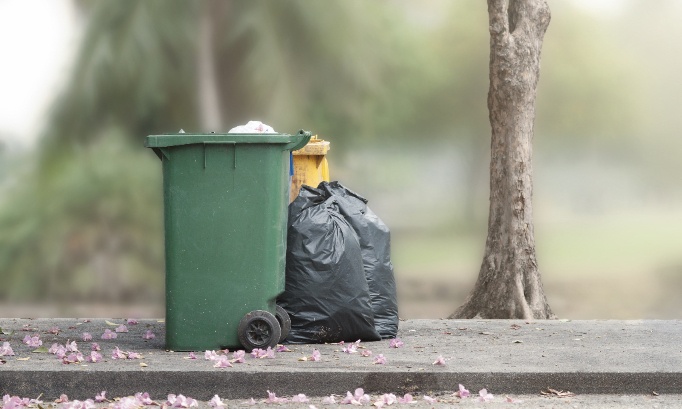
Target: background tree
[{"x": 509, "y": 284}]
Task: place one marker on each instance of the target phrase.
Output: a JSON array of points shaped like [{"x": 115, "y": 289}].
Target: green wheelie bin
[{"x": 225, "y": 218}]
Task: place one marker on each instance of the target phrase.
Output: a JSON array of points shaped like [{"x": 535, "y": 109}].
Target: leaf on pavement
[{"x": 554, "y": 392}]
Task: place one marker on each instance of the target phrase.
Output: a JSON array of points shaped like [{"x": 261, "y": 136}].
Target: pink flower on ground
[
  {"x": 72, "y": 358},
  {"x": 121, "y": 328},
  {"x": 86, "y": 337},
  {"x": 380, "y": 359},
  {"x": 261, "y": 353},
  {"x": 117, "y": 354},
  {"x": 132, "y": 321},
  {"x": 484, "y": 396},
  {"x": 250, "y": 402},
  {"x": 216, "y": 402},
  {"x": 406, "y": 399},
  {"x": 129, "y": 402},
  {"x": 6, "y": 350},
  {"x": 58, "y": 350},
  {"x": 144, "y": 399},
  {"x": 396, "y": 343},
  {"x": 33, "y": 341},
  {"x": 351, "y": 348},
  {"x": 317, "y": 356},
  {"x": 76, "y": 404},
  {"x": 210, "y": 355},
  {"x": 358, "y": 398},
  {"x": 180, "y": 401},
  {"x": 108, "y": 334},
  {"x": 462, "y": 392},
  {"x": 366, "y": 353},
  {"x": 149, "y": 335},
  {"x": 439, "y": 361},
  {"x": 102, "y": 397},
  {"x": 192, "y": 355},
  {"x": 95, "y": 357},
  {"x": 54, "y": 330},
  {"x": 283, "y": 348},
  {"x": 329, "y": 400},
  {"x": 272, "y": 398},
  {"x": 238, "y": 356},
  {"x": 71, "y": 346},
  {"x": 222, "y": 362},
  {"x": 133, "y": 355},
  {"x": 386, "y": 399},
  {"x": 430, "y": 399},
  {"x": 62, "y": 399},
  {"x": 95, "y": 347},
  {"x": 300, "y": 398}
]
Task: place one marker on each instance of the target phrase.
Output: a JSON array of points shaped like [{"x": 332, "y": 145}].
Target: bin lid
[{"x": 291, "y": 142}]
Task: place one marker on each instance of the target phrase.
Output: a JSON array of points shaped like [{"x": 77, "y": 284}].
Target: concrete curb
[{"x": 505, "y": 357}]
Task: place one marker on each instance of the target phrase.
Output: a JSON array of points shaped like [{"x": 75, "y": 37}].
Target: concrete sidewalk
[{"x": 504, "y": 356}]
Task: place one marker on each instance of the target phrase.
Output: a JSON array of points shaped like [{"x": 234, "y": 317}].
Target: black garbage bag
[
  {"x": 375, "y": 243},
  {"x": 326, "y": 293}
]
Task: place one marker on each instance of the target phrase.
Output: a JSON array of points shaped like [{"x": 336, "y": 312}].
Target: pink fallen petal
[
  {"x": 62, "y": 399},
  {"x": 149, "y": 335},
  {"x": 462, "y": 392},
  {"x": 396, "y": 343},
  {"x": 329, "y": 400},
  {"x": 269, "y": 353},
  {"x": 439, "y": 361},
  {"x": 317, "y": 356},
  {"x": 257, "y": 352},
  {"x": 366, "y": 353},
  {"x": 33, "y": 341},
  {"x": 6, "y": 350},
  {"x": 54, "y": 330},
  {"x": 250, "y": 402},
  {"x": 216, "y": 402},
  {"x": 108, "y": 334},
  {"x": 350, "y": 348},
  {"x": 117, "y": 354},
  {"x": 121, "y": 328},
  {"x": 71, "y": 346},
  {"x": 222, "y": 362},
  {"x": 86, "y": 336},
  {"x": 300, "y": 398},
  {"x": 348, "y": 399},
  {"x": 95, "y": 347},
  {"x": 430, "y": 399},
  {"x": 210, "y": 355},
  {"x": 133, "y": 355},
  {"x": 238, "y": 356},
  {"x": 95, "y": 357},
  {"x": 102, "y": 397},
  {"x": 407, "y": 398},
  {"x": 272, "y": 398},
  {"x": 132, "y": 321},
  {"x": 484, "y": 396},
  {"x": 283, "y": 348},
  {"x": 144, "y": 399},
  {"x": 386, "y": 399},
  {"x": 380, "y": 359},
  {"x": 192, "y": 355}
]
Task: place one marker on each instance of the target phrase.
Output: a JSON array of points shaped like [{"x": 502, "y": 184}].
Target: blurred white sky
[{"x": 38, "y": 39}]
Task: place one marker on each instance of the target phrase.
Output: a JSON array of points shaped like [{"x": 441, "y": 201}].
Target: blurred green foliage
[{"x": 81, "y": 220}]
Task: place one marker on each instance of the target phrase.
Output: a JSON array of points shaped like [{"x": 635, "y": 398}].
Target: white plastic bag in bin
[{"x": 253, "y": 127}]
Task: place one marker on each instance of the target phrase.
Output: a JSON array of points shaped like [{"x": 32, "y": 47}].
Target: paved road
[{"x": 507, "y": 357}]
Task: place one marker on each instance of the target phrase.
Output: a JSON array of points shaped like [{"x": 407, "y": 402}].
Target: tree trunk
[
  {"x": 509, "y": 284},
  {"x": 210, "y": 118}
]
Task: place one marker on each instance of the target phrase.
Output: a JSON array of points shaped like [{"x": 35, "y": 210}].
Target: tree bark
[
  {"x": 509, "y": 283},
  {"x": 210, "y": 118}
]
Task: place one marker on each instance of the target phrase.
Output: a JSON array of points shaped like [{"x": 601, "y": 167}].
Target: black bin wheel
[
  {"x": 259, "y": 329},
  {"x": 284, "y": 322}
]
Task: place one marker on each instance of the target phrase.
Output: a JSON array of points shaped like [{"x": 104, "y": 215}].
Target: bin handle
[{"x": 305, "y": 137}]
